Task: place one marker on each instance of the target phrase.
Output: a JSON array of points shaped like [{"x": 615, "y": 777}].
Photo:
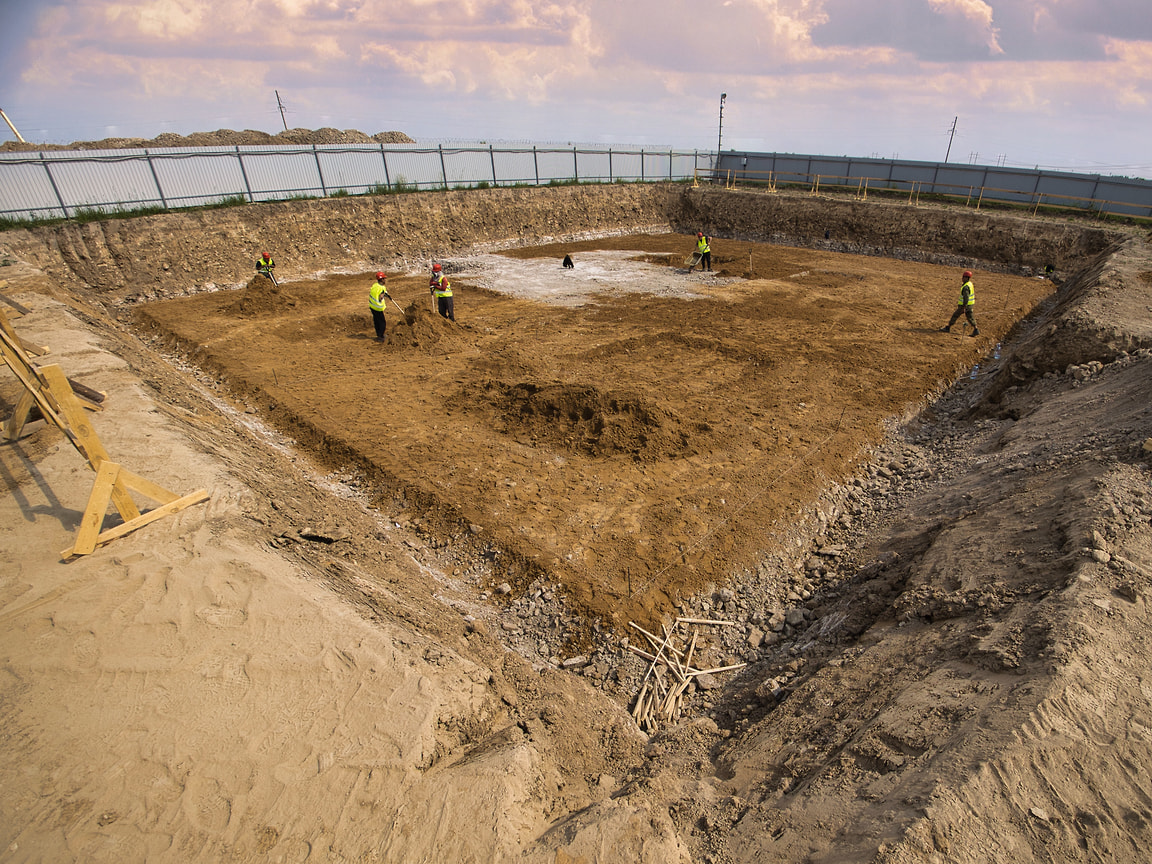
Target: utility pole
[
  {"x": 954, "y": 119},
  {"x": 280, "y": 105}
]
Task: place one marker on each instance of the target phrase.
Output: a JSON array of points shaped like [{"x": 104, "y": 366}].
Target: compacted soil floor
[{"x": 630, "y": 430}]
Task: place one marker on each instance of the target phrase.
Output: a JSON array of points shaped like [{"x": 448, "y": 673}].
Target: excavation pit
[{"x": 624, "y": 428}]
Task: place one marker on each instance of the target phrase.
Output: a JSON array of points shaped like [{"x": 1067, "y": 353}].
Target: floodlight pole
[{"x": 720, "y": 133}]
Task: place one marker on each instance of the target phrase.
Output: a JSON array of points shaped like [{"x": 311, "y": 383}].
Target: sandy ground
[{"x": 314, "y": 665}]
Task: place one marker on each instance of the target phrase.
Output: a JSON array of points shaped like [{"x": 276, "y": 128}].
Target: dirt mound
[
  {"x": 221, "y": 138},
  {"x": 261, "y": 297},
  {"x": 581, "y": 419}
]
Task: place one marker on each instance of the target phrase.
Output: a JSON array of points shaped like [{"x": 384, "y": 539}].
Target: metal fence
[
  {"x": 976, "y": 184},
  {"x": 54, "y": 184}
]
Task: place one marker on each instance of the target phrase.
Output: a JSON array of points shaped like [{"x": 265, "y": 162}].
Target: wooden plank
[
  {"x": 98, "y": 501},
  {"x": 23, "y": 369},
  {"x": 33, "y": 349},
  {"x": 146, "y": 519},
  {"x": 146, "y": 487},
  {"x": 20, "y": 416},
  {"x": 85, "y": 437},
  {"x": 23, "y": 310},
  {"x": 706, "y": 621}
]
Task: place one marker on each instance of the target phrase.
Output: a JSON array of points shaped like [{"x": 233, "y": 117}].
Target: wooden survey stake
[{"x": 49, "y": 390}]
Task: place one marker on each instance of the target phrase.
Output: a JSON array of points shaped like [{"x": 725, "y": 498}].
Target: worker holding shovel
[
  {"x": 265, "y": 265},
  {"x": 441, "y": 289},
  {"x": 377, "y": 297},
  {"x": 703, "y": 254}
]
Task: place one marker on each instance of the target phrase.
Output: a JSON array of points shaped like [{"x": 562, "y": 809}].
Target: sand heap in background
[{"x": 223, "y": 138}]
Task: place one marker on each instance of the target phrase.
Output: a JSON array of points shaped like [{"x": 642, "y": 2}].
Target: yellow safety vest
[
  {"x": 967, "y": 298},
  {"x": 264, "y": 266},
  {"x": 702, "y": 245},
  {"x": 376, "y": 296},
  {"x": 440, "y": 285}
]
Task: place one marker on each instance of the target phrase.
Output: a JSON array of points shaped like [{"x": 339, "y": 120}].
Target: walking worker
[
  {"x": 441, "y": 289},
  {"x": 377, "y": 298},
  {"x": 265, "y": 265},
  {"x": 964, "y": 306},
  {"x": 705, "y": 250}
]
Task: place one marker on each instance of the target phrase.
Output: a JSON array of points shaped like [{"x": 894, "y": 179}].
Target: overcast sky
[{"x": 1063, "y": 84}]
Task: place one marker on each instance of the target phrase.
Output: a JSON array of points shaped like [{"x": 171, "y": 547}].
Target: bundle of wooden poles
[{"x": 670, "y": 671}]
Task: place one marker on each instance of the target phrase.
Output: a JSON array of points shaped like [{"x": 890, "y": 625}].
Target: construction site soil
[{"x": 409, "y": 624}]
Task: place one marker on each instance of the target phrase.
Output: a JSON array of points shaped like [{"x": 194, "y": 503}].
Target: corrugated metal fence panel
[
  {"x": 119, "y": 180},
  {"x": 626, "y": 165},
  {"x": 1127, "y": 196},
  {"x": 27, "y": 188},
  {"x": 515, "y": 167},
  {"x": 556, "y": 165},
  {"x": 415, "y": 168},
  {"x": 656, "y": 165},
  {"x": 286, "y": 172},
  {"x": 593, "y": 166},
  {"x": 688, "y": 164},
  {"x": 1116, "y": 190},
  {"x": 466, "y": 166},
  {"x": 350, "y": 168},
  {"x": 956, "y": 180},
  {"x": 192, "y": 177}
]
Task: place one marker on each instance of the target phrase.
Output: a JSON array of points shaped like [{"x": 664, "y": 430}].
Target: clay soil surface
[{"x": 625, "y": 429}]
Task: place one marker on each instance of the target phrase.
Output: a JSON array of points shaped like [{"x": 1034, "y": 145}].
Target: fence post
[
  {"x": 55, "y": 189},
  {"x": 244, "y": 174},
  {"x": 575, "y": 166},
  {"x": 536, "y": 164},
  {"x": 611, "y": 178},
  {"x": 384, "y": 158},
  {"x": 443, "y": 170},
  {"x": 319, "y": 171},
  {"x": 492, "y": 157},
  {"x": 641, "y": 164},
  {"x": 155, "y": 179}
]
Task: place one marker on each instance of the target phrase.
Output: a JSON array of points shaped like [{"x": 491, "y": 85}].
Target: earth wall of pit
[
  {"x": 950, "y": 235},
  {"x": 186, "y": 252}
]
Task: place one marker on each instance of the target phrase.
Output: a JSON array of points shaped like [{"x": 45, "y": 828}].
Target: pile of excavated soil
[
  {"x": 221, "y": 138},
  {"x": 945, "y": 649}
]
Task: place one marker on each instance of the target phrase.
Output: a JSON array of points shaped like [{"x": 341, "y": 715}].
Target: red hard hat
[
  {"x": 436, "y": 268},
  {"x": 699, "y": 233},
  {"x": 267, "y": 254},
  {"x": 381, "y": 275},
  {"x": 967, "y": 274}
]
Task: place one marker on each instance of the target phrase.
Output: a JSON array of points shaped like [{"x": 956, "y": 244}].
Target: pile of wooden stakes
[{"x": 670, "y": 671}]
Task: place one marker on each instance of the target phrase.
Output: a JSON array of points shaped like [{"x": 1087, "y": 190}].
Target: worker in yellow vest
[
  {"x": 265, "y": 265},
  {"x": 377, "y": 298},
  {"x": 441, "y": 289},
  {"x": 964, "y": 306},
  {"x": 705, "y": 251}
]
